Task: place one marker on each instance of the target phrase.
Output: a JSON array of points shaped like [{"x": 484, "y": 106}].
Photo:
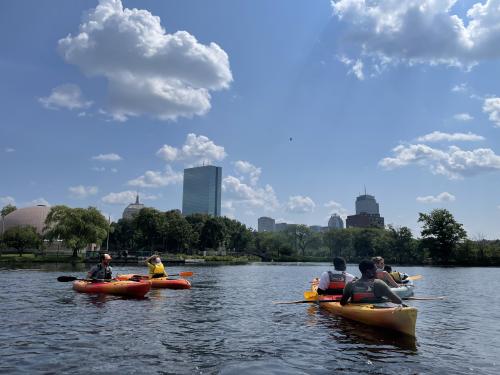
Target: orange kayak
[
  {"x": 160, "y": 282},
  {"x": 121, "y": 288}
]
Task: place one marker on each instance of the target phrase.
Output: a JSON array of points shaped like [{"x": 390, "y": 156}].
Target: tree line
[{"x": 442, "y": 239}]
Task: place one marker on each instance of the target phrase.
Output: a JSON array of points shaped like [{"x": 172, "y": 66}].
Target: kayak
[
  {"x": 160, "y": 282},
  {"x": 404, "y": 291},
  {"x": 385, "y": 315},
  {"x": 121, "y": 288}
]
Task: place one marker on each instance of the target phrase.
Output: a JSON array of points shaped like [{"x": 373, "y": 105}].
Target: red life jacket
[
  {"x": 362, "y": 292},
  {"x": 337, "y": 283}
]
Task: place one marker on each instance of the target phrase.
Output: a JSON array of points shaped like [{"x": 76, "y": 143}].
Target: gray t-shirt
[{"x": 100, "y": 272}]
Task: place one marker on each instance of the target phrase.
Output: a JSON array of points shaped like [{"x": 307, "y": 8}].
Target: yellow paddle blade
[
  {"x": 310, "y": 295},
  {"x": 416, "y": 277}
]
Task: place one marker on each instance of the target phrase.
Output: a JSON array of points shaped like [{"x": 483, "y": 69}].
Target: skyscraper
[
  {"x": 367, "y": 213},
  {"x": 201, "y": 191},
  {"x": 265, "y": 224}
]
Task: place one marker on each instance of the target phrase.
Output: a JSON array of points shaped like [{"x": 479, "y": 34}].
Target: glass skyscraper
[{"x": 201, "y": 191}]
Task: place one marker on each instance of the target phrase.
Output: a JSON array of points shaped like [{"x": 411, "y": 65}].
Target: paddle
[
  {"x": 426, "y": 298},
  {"x": 416, "y": 277},
  {"x": 294, "y": 302},
  {"x": 147, "y": 277},
  {"x": 65, "y": 279}
]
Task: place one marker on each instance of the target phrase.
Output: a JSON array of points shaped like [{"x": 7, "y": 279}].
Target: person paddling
[
  {"x": 155, "y": 267},
  {"x": 101, "y": 271},
  {"x": 368, "y": 289},
  {"x": 400, "y": 278},
  {"x": 333, "y": 282},
  {"x": 383, "y": 275}
]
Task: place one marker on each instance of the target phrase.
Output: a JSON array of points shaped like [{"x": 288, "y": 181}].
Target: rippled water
[{"x": 228, "y": 324}]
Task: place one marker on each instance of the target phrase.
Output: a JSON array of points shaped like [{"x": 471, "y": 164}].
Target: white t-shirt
[{"x": 324, "y": 280}]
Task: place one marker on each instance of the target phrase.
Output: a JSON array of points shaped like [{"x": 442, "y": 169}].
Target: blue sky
[{"x": 103, "y": 99}]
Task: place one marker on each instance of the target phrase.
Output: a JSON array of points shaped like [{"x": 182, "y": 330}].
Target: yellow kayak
[{"x": 385, "y": 315}]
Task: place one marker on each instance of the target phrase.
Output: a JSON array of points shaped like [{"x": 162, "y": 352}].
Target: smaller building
[
  {"x": 265, "y": 224},
  {"x": 318, "y": 228},
  {"x": 132, "y": 209},
  {"x": 335, "y": 222},
  {"x": 280, "y": 227},
  {"x": 365, "y": 221}
]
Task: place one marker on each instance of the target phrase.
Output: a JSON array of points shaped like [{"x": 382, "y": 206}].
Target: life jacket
[
  {"x": 337, "y": 283},
  {"x": 362, "y": 292},
  {"x": 102, "y": 272},
  {"x": 158, "y": 270},
  {"x": 399, "y": 277}
]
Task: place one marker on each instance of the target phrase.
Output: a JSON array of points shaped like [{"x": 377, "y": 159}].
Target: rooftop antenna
[
  {"x": 136, "y": 197},
  {"x": 365, "y": 189}
]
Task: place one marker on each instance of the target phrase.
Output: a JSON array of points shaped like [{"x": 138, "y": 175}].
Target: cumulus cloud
[
  {"x": 107, "y": 157},
  {"x": 462, "y": 87},
  {"x": 4, "y": 201},
  {"x": 247, "y": 170},
  {"x": 67, "y": 96},
  {"x": 39, "y": 202},
  {"x": 149, "y": 71},
  {"x": 300, "y": 205},
  {"x": 491, "y": 106},
  {"x": 237, "y": 192},
  {"x": 196, "y": 149},
  {"x": 453, "y": 163},
  {"x": 437, "y": 136},
  {"x": 80, "y": 191},
  {"x": 385, "y": 32},
  {"x": 125, "y": 197},
  {"x": 440, "y": 198},
  {"x": 153, "y": 179},
  {"x": 335, "y": 207},
  {"x": 355, "y": 67},
  {"x": 463, "y": 117}
]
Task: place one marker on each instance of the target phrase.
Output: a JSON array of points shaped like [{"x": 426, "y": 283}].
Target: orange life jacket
[
  {"x": 362, "y": 292},
  {"x": 337, "y": 283}
]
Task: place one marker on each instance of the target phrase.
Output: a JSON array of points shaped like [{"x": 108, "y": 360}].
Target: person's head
[
  {"x": 157, "y": 259},
  {"x": 387, "y": 268},
  {"x": 339, "y": 263},
  {"x": 105, "y": 259},
  {"x": 379, "y": 262},
  {"x": 368, "y": 269}
]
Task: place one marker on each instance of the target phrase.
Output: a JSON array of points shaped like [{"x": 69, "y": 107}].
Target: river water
[{"x": 227, "y": 323}]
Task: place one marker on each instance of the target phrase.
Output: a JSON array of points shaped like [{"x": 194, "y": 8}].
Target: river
[{"x": 227, "y": 323}]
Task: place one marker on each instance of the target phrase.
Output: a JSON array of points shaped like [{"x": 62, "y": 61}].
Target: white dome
[{"x": 28, "y": 216}]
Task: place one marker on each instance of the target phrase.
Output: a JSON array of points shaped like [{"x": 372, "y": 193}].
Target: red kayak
[
  {"x": 159, "y": 282},
  {"x": 121, "y": 288}
]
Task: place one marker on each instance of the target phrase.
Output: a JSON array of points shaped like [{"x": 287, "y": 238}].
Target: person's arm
[
  {"x": 324, "y": 281},
  {"x": 390, "y": 281},
  {"x": 382, "y": 290},
  {"x": 346, "y": 295},
  {"x": 92, "y": 272},
  {"x": 148, "y": 259}
]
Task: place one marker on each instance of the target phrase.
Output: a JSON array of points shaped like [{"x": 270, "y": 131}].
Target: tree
[
  {"x": 76, "y": 227},
  {"x": 8, "y": 209},
  {"x": 22, "y": 238},
  {"x": 337, "y": 240},
  {"x": 212, "y": 234},
  {"x": 152, "y": 228},
  {"x": 303, "y": 237},
  {"x": 180, "y": 235},
  {"x": 441, "y": 234}
]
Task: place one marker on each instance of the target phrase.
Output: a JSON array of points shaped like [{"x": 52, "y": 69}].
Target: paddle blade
[
  {"x": 186, "y": 274},
  {"x": 65, "y": 279},
  {"x": 416, "y": 277},
  {"x": 309, "y": 295}
]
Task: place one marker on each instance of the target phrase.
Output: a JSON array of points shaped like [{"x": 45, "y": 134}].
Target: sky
[{"x": 303, "y": 104}]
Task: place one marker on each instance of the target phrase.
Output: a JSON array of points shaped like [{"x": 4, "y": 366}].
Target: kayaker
[
  {"x": 400, "y": 278},
  {"x": 333, "y": 282},
  {"x": 155, "y": 267},
  {"x": 101, "y": 271},
  {"x": 383, "y": 275},
  {"x": 368, "y": 289}
]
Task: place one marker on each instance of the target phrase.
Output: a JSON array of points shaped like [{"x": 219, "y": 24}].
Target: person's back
[
  {"x": 155, "y": 267},
  {"x": 333, "y": 282}
]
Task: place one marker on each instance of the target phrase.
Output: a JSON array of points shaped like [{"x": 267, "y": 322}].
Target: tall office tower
[
  {"x": 201, "y": 193},
  {"x": 367, "y": 214},
  {"x": 335, "y": 222},
  {"x": 265, "y": 224}
]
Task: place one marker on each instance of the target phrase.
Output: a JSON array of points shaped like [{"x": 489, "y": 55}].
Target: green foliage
[
  {"x": 441, "y": 234},
  {"x": 7, "y": 210},
  {"x": 76, "y": 227},
  {"x": 22, "y": 238}
]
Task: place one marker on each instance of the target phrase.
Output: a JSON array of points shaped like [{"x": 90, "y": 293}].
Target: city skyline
[{"x": 299, "y": 118}]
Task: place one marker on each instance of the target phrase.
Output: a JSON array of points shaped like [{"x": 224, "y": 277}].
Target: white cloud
[
  {"x": 80, "y": 191},
  {"x": 437, "y": 136},
  {"x": 491, "y": 106},
  {"x": 355, "y": 67},
  {"x": 68, "y": 96},
  {"x": 148, "y": 70},
  {"x": 107, "y": 157},
  {"x": 9, "y": 149},
  {"x": 246, "y": 169},
  {"x": 453, "y": 163},
  {"x": 114, "y": 170},
  {"x": 4, "y": 201},
  {"x": 335, "y": 207},
  {"x": 463, "y": 117},
  {"x": 39, "y": 202},
  {"x": 238, "y": 192},
  {"x": 125, "y": 197},
  {"x": 153, "y": 179},
  {"x": 442, "y": 197},
  {"x": 300, "y": 205},
  {"x": 462, "y": 87},
  {"x": 98, "y": 169},
  {"x": 196, "y": 149},
  {"x": 386, "y": 32}
]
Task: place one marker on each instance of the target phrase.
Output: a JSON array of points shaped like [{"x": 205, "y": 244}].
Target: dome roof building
[
  {"x": 336, "y": 222},
  {"x": 132, "y": 209},
  {"x": 28, "y": 216}
]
